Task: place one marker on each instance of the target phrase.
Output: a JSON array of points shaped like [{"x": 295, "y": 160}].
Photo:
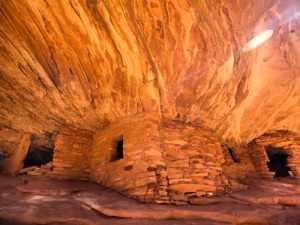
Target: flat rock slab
[
  {"x": 258, "y": 198},
  {"x": 45, "y": 186},
  {"x": 205, "y": 201},
  {"x": 58, "y": 210},
  {"x": 110, "y": 204},
  {"x": 48, "y": 201},
  {"x": 277, "y": 186}
]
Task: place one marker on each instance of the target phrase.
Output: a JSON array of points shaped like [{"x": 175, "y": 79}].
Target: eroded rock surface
[
  {"x": 42, "y": 201},
  {"x": 90, "y": 63}
]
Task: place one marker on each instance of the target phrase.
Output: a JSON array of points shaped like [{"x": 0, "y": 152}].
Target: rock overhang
[{"x": 89, "y": 64}]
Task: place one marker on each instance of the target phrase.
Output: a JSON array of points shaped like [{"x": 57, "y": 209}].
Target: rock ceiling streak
[{"x": 90, "y": 63}]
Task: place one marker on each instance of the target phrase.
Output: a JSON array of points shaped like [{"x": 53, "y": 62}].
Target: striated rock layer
[
  {"x": 90, "y": 63},
  {"x": 29, "y": 200}
]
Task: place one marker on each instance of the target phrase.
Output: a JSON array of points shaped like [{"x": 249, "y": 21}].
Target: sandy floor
[{"x": 38, "y": 200}]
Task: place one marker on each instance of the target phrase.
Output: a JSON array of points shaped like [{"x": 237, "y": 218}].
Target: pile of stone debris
[{"x": 36, "y": 171}]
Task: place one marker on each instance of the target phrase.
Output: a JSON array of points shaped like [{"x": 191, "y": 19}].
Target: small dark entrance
[
  {"x": 38, "y": 156},
  {"x": 278, "y": 161},
  {"x": 233, "y": 156},
  {"x": 117, "y": 149}
]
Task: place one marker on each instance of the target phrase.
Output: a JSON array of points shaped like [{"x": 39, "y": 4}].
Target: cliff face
[{"x": 89, "y": 63}]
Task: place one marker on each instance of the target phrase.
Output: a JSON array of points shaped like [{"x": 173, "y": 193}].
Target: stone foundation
[{"x": 289, "y": 141}]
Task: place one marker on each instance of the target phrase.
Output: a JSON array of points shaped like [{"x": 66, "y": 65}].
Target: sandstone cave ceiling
[{"x": 90, "y": 63}]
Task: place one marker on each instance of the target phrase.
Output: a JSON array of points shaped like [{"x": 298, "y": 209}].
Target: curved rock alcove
[{"x": 165, "y": 102}]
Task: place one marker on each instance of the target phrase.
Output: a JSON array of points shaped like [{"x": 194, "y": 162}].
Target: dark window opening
[
  {"x": 38, "y": 157},
  {"x": 118, "y": 150},
  {"x": 232, "y": 156},
  {"x": 278, "y": 161}
]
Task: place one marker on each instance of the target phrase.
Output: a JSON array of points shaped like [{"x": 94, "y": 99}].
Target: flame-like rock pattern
[{"x": 90, "y": 63}]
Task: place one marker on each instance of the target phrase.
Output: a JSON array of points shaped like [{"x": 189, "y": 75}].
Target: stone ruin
[
  {"x": 285, "y": 146},
  {"x": 161, "y": 161}
]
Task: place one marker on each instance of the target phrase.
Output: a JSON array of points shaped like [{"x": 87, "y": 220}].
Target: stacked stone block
[
  {"x": 164, "y": 162},
  {"x": 238, "y": 170},
  {"x": 168, "y": 162},
  {"x": 135, "y": 175},
  {"x": 287, "y": 140},
  {"x": 193, "y": 159},
  {"x": 72, "y": 152},
  {"x": 260, "y": 159}
]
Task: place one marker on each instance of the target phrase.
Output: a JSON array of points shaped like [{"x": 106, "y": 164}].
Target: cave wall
[
  {"x": 13, "y": 149},
  {"x": 72, "y": 153},
  {"x": 90, "y": 63},
  {"x": 287, "y": 140}
]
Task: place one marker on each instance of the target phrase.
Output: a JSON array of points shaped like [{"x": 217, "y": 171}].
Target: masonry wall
[
  {"x": 193, "y": 159},
  {"x": 72, "y": 153},
  {"x": 163, "y": 162},
  {"x": 287, "y": 140},
  {"x": 168, "y": 162},
  {"x": 238, "y": 167},
  {"x": 135, "y": 174}
]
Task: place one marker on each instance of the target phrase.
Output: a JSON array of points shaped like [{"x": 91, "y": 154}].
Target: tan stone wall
[
  {"x": 289, "y": 141},
  {"x": 72, "y": 153},
  {"x": 237, "y": 167},
  {"x": 193, "y": 159},
  {"x": 166, "y": 162},
  {"x": 134, "y": 175}
]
